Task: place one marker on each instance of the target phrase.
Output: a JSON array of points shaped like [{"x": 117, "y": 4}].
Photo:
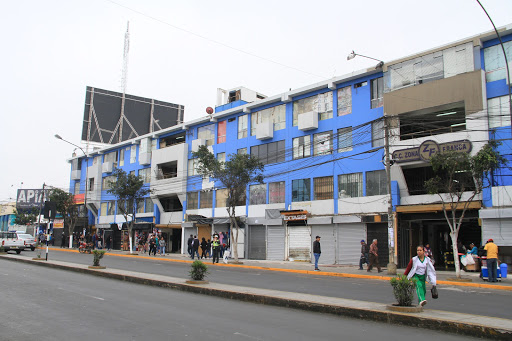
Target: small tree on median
[
  {"x": 128, "y": 189},
  {"x": 66, "y": 205},
  {"x": 459, "y": 174},
  {"x": 235, "y": 174}
]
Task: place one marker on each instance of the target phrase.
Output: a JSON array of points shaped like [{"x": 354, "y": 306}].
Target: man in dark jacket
[
  {"x": 364, "y": 255},
  {"x": 316, "y": 251},
  {"x": 195, "y": 247},
  {"x": 189, "y": 245}
]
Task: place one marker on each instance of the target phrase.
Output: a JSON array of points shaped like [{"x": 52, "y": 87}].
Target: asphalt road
[
  {"x": 48, "y": 304},
  {"x": 485, "y": 302}
]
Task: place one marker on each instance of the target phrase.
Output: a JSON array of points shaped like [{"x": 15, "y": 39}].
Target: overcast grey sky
[{"x": 182, "y": 51}]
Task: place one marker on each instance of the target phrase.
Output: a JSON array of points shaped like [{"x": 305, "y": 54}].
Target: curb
[{"x": 408, "y": 319}]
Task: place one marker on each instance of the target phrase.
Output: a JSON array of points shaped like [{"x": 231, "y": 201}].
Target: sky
[{"x": 182, "y": 51}]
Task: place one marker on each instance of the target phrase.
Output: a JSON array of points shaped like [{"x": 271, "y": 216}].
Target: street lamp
[
  {"x": 391, "y": 266},
  {"x": 57, "y": 136}
]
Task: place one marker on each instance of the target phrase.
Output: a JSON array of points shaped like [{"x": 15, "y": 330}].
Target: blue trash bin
[{"x": 504, "y": 269}]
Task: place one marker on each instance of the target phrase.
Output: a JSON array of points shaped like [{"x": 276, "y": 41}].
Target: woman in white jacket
[{"x": 421, "y": 269}]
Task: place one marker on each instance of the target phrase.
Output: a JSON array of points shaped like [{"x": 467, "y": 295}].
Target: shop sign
[
  {"x": 79, "y": 199},
  {"x": 428, "y": 149},
  {"x": 295, "y": 217},
  {"x": 58, "y": 223}
]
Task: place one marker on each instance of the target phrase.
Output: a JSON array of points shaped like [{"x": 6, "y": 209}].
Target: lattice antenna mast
[{"x": 125, "y": 57}]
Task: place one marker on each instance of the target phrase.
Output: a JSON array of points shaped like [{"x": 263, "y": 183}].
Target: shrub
[
  {"x": 98, "y": 254},
  {"x": 198, "y": 271},
  {"x": 403, "y": 289}
]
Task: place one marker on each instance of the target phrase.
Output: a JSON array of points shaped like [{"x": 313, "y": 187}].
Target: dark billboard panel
[
  {"x": 31, "y": 198},
  {"x": 106, "y": 120}
]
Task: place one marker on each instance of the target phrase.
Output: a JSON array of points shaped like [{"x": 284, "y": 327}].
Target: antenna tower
[{"x": 123, "y": 77}]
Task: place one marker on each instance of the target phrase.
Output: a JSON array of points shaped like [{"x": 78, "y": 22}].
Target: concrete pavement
[{"x": 467, "y": 324}]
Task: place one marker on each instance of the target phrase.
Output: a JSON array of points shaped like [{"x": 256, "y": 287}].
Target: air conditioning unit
[
  {"x": 308, "y": 121},
  {"x": 75, "y": 175},
  {"x": 265, "y": 130},
  {"x": 107, "y": 167},
  {"x": 144, "y": 158},
  {"x": 197, "y": 143}
]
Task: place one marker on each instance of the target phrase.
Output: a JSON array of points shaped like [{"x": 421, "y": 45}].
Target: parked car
[
  {"x": 28, "y": 240},
  {"x": 10, "y": 241}
]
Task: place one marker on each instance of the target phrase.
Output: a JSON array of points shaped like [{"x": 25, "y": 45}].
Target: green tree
[
  {"x": 26, "y": 216},
  {"x": 459, "y": 178},
  {"x": 235, "y": 174},
  {"x": 65, "y": 204},
  {"x": 128, "y": 189}
]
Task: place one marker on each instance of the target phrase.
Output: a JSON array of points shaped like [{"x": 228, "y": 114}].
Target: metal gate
[
  {"x": 349, "y": 243},
  {"x": 257, "y": 242},
  {"x": 299, "y": 243},
  {"x": 327, "y": 243},
  {"x": 275, "y": 243}
]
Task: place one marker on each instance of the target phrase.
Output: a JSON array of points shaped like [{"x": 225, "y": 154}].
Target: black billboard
[
  {"x": 30, "y": 198},
  {"x": 107, "y": 121}
]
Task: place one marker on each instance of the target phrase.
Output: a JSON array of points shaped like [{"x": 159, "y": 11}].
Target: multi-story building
[{"x": 325, "y": 170}]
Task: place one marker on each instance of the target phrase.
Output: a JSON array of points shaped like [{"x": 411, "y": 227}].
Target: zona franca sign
[{"x": 428, "y": 149}]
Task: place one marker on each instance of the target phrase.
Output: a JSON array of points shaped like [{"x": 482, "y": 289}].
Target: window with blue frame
[
  {"x": 206, "y": 199},
  {"x": 321, "y": 104},
  {"x": 344, "y": 139},
  {"x": 258, "y": 194},
  {"x": 149, "y": 205},
  {"x": 344, "y": 101},
  {"x": 277, "y": 192},
  {"x": 377, "y": 92},
  {"x": 268, "y": 153},
  {"x": 322, "y": 143},
  {"x": 207, "y": 133},
  {"x": 376, "y": 183},
  {"x": 192, "y": 200},
  {"x": 495, "y": 67},
  {"x": 324, "y": 188},
  {"x": 77, "y": 188},
  {"x": 242, "y": 126},
  {"x": 275, "y": 114},
  {"x": 301, "y": 147},
  {"x": 301, "y": 190},
  {"x": 498, "y": 110},
  {"x": 378, "y": 133},
  {"x": 350, "y": 185}
]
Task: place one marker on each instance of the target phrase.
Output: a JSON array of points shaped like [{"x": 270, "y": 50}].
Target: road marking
[
  {"x": 249, "y": 336},
  {"x": 73, "y": 292}
]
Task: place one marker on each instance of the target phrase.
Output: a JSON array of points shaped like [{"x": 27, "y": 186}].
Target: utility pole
[{"x": 391, "y": 219}]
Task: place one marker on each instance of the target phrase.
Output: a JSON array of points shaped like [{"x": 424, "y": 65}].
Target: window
[
  {"x": 324, "y": 188},
  {"x": 242, "y": 126},
  {"x": 121, "y": 157},
  {"x": 221, "y": 132},
  {"x": 276, "y": 114},
  {"x": 322, "y": 143},
  {"x": 207, "y": 133},
  {"x": 206, "y": 199},
  {"x": 132, "y": 173},
  {"x": 111, "y": 209},
  {"x": 321, "y": 104},
  {"x": 377, "y": 89},
  {"x": 91, "y": 185},
  {"x": 133, "y": 154},
  {"x": 242, "y": 151},
  {"x": 494, "y": 60},
  {"x": 421, "y": 124},
  {"x": 498, "y": 110},
  {"x": 164, "y": 142},
  {"x": 350, "y": 185},
  {"x": 258, "y": 194},
  {"x": 145, "y": 174},
  {"x": 301, "y": 190},
  {"x": 76, "y": 165},
  {"x": 376, "y": 183},
  {"x": 192, "y": 167},
  {"x": 378, "y": 133},
  {"x": 221, "y": 157},
  {"x": 167, "y": 170},
  {"x": 301, "y": 147},
  {"x": 276, "y": 192},
  {"x": 344, "y": 139},
  {"x": 171, "y": 204},
  {"x": 344, "y": 101},
  {"x": 150, "y": 205},
  {"x": 192, "y": 198},
  {"x": 103, "y": 209},
  {"x": 77, "y": 188},
  {"x": 269, "y": 153},
  {"x": 140, "y": 206},
  {"x": 221, "y": 197},
  {"x": 106, "y": 182}
]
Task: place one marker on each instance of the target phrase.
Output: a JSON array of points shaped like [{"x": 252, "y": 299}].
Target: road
[
  {"x": 457, "y": 299},
  {"x": 48, "y": 304}
]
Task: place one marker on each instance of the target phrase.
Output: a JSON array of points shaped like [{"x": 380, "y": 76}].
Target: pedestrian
[
  {"x": 195, "y": 247},
  {"x": 374, "y": 256},
  {"x": 189, "y": 245},
  {"x": 109, "y": 242},
  {"x": 95, "y": 240},
  {"x": 317, "y": 251},
  {"x": 63, "y": 243},
  {"x": 100, "y": 242},
  {"x": 152, "y": 245},
  {"x": 204, "y": 245},
  {"x": 364, "y": 255},
  {"x": 162, "y": 246},
  {"x": 209, "y": 249},
  {"x": 215, "y": 248},
  {"x": 420, "y": 267},
  {"x": 492, "y": 260},
  {"x": 141, "y": 245}
]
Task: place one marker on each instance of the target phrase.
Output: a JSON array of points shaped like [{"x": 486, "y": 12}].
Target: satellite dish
[{"x": 209, "y": 110}]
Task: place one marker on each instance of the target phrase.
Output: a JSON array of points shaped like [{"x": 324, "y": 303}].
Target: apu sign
[
  {"x": 28, "y": 198},
  {"x": 428, "y": 148}
]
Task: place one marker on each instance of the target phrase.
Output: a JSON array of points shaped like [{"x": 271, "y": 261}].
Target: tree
[
  {"x": 459, "y": 178},
  {"x": 235, "y": 174},
  {"x": 66, "y": 205},
  {"x": 128, "y": 189},
  {"x": 26, "y": 216}
]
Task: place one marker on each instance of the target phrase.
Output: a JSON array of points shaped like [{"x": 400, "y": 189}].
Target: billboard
[
  {"x": 30, "y": 198},
  {"x": 111, "y": 117}
]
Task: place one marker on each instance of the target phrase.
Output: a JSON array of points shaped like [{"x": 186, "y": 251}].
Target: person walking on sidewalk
[
  {"x": 162, "y": 246},
  {"x": 492, "y": 260},
  {"x": 364, "y": 255},
  {"x": 317, "y": 251},
  {"x": 374, "y": 256},
  {"x": 189, "y": 245},
  {"x": 204, "y": 245},
  {"x": 420, "y": 267},
  {"x": 195, "y": 247},
  {"x": 215, "y": 248}
]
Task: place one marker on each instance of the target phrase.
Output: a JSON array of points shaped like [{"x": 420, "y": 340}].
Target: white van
[{"x": 10, "y": 241}]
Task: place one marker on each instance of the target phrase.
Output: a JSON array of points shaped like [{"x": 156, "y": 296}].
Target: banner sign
[
  {"x": 428, "y": 149},
  {"x": 58, "y": 223},
  {"x": 30, "y": 198},
  {"x": 79, "y": 199}
]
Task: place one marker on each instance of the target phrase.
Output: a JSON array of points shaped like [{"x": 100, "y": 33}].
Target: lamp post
[
  {"x": 57, "y": 136},
  {"x": 391, "y": 266}
]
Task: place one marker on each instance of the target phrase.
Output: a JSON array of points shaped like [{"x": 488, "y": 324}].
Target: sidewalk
[
  {"x": 454, "y": 322},
  {"x": 443, "y": 277}
]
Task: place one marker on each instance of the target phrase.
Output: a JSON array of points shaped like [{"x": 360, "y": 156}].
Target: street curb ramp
[{"x": 413, "y": 320}]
